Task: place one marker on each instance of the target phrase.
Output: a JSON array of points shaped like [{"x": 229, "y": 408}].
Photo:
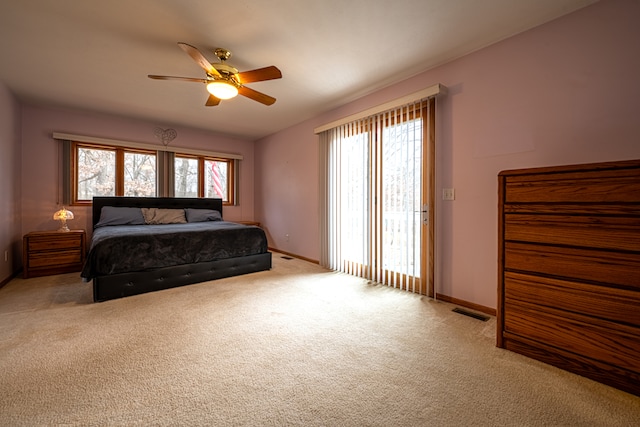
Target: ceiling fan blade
[
  {"x": 261, "y": 74},
  {"x": 199, "y": 58},
  {"x": 212, "y": 101},
  {"x": 184, "y": 79},
  {"x": 256, "y": 96}
]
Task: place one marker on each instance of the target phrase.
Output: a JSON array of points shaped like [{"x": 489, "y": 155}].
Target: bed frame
[{"x": 134, "y": 283}]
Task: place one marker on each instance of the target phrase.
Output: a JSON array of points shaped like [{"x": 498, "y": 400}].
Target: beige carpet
[{"x": 295, "y": 346}]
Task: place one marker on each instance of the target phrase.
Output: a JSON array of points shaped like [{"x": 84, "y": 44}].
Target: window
[
  {"x": 100, "y": 170},
  {"x": 201, "y": 176},
  {"x": 97, "y": 169}
]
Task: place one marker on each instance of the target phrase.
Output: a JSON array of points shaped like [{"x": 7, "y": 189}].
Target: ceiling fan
[{"x": 224, "y": 81}]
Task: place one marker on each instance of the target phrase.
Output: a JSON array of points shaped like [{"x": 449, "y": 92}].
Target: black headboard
[{"x": 154, "y": 202}]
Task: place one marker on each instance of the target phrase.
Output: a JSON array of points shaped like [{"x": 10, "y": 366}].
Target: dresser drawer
[
  {"x": 602, "y": 232},
  {"x": 575, "y": 187},
  {"x": 615, "y": 305},
  {"x": 619, "y": 269},
  {"x": 603, "y": 341}
]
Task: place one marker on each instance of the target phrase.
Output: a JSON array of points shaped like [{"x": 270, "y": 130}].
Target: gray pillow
[
  {"x": 201, "y": 215},
  {"x": 112, "y": 215}
]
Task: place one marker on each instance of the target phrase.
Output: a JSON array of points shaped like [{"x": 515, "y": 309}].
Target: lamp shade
[
  {"x": 63, "y": 215},
  {"x": 222, "y": 90}
]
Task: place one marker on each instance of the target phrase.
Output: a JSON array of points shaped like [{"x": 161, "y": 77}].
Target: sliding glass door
[{"x": 379, "y": 188}]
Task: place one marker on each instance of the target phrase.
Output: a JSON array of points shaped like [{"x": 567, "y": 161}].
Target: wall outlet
[
  {"x": 448, "y": 194},
  {"x": 286, "y": 237}
]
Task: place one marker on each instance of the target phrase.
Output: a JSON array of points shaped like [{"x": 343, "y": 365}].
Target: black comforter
[{"x": 128, "y": 248}]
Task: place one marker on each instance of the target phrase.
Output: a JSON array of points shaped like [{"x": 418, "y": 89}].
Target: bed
[{"x": 128, "y": 256}]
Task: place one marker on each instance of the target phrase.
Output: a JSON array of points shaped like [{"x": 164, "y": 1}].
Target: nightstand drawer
[
  {"x": 56, "y": 243},
  {"x": 47, "y": 259}
]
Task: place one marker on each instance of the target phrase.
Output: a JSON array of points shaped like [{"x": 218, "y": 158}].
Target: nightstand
[
  {"x": 256, "y": 223},
  {"x": 53, "y": 252}
]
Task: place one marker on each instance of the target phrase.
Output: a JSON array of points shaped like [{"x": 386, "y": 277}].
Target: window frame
[
  {"x": 231, "y": 189},
  {"x": 119, "y": 167},
  {"x": 162, "y": 173}
]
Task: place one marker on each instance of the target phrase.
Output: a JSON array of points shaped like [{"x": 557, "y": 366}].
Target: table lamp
[{"x": 63, "y": 215}]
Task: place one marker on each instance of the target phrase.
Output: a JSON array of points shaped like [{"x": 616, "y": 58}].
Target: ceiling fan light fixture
[
  {"x": 222, "y": 90},
  {"x": 224, "y": 81}
]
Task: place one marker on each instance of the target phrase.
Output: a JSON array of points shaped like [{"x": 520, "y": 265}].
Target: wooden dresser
[
  {"x": 53, "y": 252},
  {"x": 569, "y": 268}
]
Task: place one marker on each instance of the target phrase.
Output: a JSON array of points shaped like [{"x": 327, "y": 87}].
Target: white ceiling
[{"x": 96, "y": 55}]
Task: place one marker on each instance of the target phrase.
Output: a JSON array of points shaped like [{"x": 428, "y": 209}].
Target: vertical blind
[{"x": 373, "y": 192}]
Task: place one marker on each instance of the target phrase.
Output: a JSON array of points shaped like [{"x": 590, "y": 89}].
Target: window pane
[
  {"x": 354, "y": 218},
  {"x": 96, "y": 173},
  {"x": 139, "y": 174},
  {"x": 401, "y": 191},
  {"x": 216, "y": 179},
  {"x": 186, "y": 177}
]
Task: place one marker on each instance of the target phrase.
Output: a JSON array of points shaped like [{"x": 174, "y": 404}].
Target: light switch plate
[{"x": 448, "y": 194}]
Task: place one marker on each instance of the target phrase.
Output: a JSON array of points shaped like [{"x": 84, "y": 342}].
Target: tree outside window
[
  {"x": 186, "y": 177},
  {"x": 112, "y": 171},
  {"x": 200, "y": 176},
  {"x": 139, "y": 174},
  {"x": 105, "y": 170},
  {"x": 96, "y": 173}
]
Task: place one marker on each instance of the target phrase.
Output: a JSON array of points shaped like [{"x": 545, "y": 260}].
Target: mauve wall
[
  {"x": 563, "y": 93},
  {"x": 9, "y": 184},
  {"x": 41, "y": 189}
]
